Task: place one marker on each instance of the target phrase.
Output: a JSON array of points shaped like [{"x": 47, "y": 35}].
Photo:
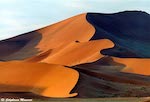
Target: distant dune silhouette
[{"x": 88, "y": 55}]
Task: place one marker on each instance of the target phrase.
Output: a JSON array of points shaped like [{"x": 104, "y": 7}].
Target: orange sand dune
[
  {"x": 75, "y": 53},
  {"x": 56, "y": 45},
  {"x": 43, "y": 53},
  {"x": 36, "y": 42},
  {"x": 42, "y": 79},
  {"x": 62, "y": 33},
  {"x": 135, "y": 65}
]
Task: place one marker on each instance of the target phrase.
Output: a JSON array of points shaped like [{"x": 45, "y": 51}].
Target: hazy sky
[{"x": 20, "y": 16}]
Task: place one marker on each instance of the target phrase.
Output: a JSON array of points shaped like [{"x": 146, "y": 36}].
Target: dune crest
[
  {"x": 36, "y": 42},
  {"x": 135, "y": 65},
  {"x": 62, "y": 33}
]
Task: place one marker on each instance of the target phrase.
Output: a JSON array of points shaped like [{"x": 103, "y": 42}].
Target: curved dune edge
[
  {"x": 135, "y": 65},
  {"x": 43, "y": 79},
  {"x": 30, "y": 44},
  {"x": 76, "y": 28},
  {"x": 75, "y": 53}
]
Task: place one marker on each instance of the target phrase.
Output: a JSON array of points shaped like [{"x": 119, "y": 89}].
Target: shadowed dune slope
[
  {"x": 43, "y": 79},
  {"x": 36, "y": 42},
  {"x": 129, "y": 31},
  {"x": 104, "y": 78},
  {"x": 19, "y": 47}
]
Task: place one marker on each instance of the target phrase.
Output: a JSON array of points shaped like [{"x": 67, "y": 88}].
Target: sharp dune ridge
[{"x": 88, "y": 55}]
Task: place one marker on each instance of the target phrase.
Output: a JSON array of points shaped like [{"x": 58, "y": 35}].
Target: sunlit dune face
[
  {"x": 47, "y": 38},
  {"x": 65, "y": 32},
  {"x": 134, "y": 65},
  {"x": 43, "y": 79},
  {"x": 76, "y": 53}
]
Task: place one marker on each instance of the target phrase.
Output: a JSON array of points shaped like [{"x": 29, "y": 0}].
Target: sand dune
[
  {"x": 129, "y": 31},
  {"x": 43, "y": 79},
  {"x": 110, "y": 51},
  {"x": 73, "y": 29},
  {"x": 36, "y": 42},
  {"x": 42, "y": 44},
  {"x": 104, "y": 78},
  {"x": 74, "y": 53},
  {"x": 133, "y": 65}
]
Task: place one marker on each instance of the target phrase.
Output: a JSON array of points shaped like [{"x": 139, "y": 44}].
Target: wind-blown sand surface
[
  {"x": 110, "y": 55},
  {"x": 39, "y": 78},
  {"x": 105, "y": 78},
  {"x": 133, "y": 65},
  {"x": 68, "y": 55},
  {"x": 50, "y": 37}
]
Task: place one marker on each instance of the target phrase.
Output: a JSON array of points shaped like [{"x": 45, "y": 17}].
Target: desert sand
[
  {"x": 43, "y": 79},
  {"x": 36, "y": 42},
  {"x": 69, "y": 59},
  {"x": 74, "y": 53},
  {"x": 44, "y": 44},
  {"x": 134, "y": 65},
  {"x": 106, "y": 78}
]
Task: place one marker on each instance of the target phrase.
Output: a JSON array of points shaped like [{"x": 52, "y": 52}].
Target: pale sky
[{"x": 20, "y": 16}]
